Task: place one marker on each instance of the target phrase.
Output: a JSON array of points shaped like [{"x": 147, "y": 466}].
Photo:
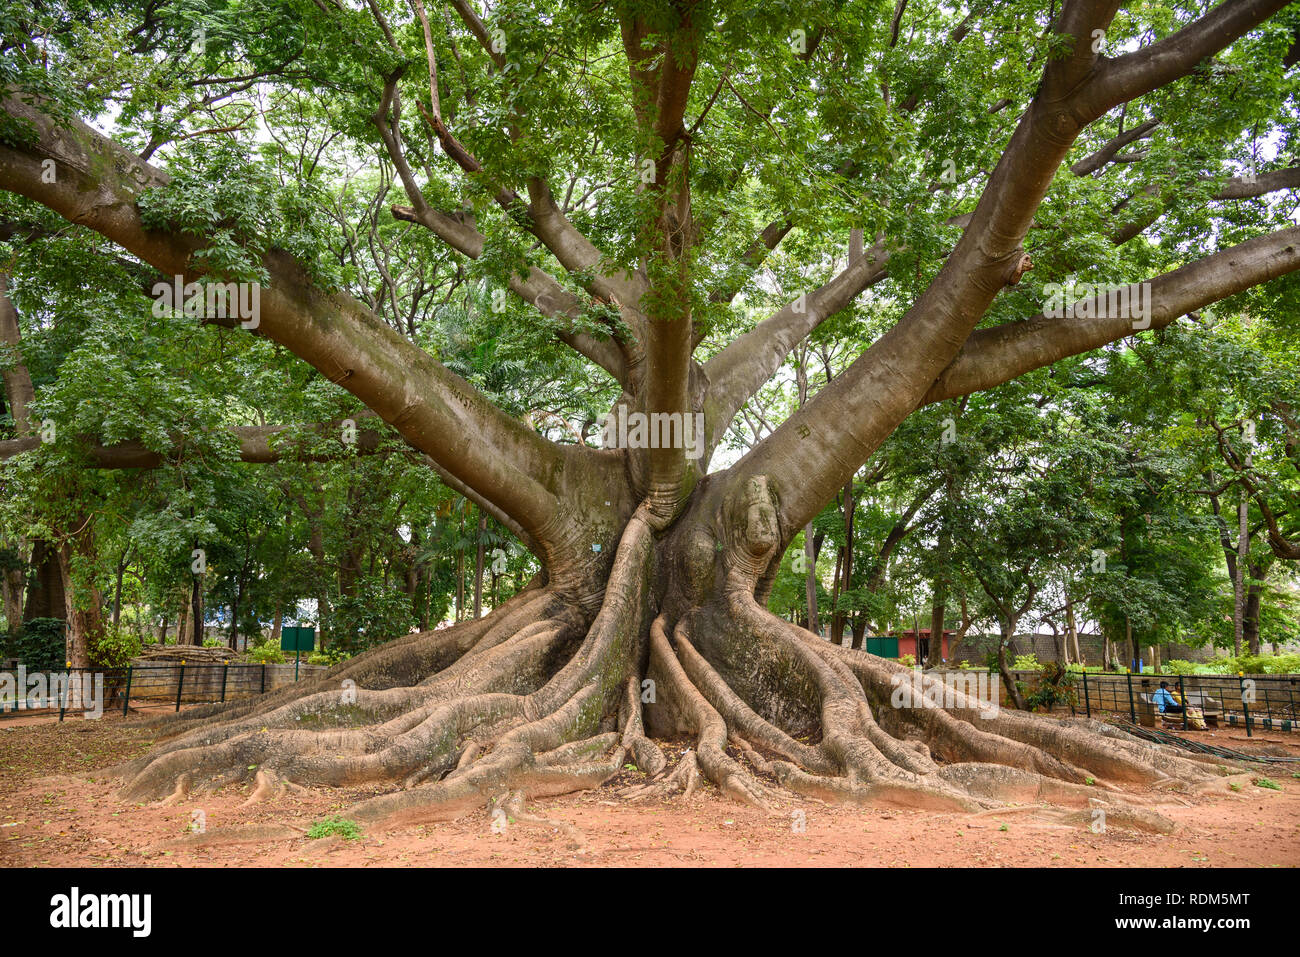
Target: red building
[{"x": 907, "y": 642}]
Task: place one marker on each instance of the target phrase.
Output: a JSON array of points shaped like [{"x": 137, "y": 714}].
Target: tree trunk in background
[
  {"x": 183, "y": 624},
  {"x": 316, "y": 547},
  {"x": 234, "y": 613},
  {"x": 19, "y": 394},
  {"x": 939, "y": 604},
  {"x": 1008, "y": 630},
  {"x": 810, "y": 582},
  {"x": 859, "y": 631},
  {"x": 1239, "y": 576},
  {"x": 938, "y": 612},
  {"x": 460, "y": 583},
  {"x": 1072, "y": 627},
  {"x": 964, "y": 627},
  {"x": 117, "y": 589},
  {"x": 196, "y": 610},
  {"x": 277, "y": 623},
  {"x": 45, "y": 598},
  {"x": 846, "y": 566},
  {"x": 478, "y": 566},
  {"x": 1250, "y": 611},
  {"x": 835, "y": 594},
  {"x": 84, "y": 605},
  {"x": 13, "y": 583}
]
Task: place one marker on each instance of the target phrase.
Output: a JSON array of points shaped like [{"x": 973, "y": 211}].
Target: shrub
[
  {"x": 907, "y": 660},
  {"x": 376, "y": 612},
  {"x": 1055, "y": 686},
  {"x": 267, "y": 653},
  {"x": 1027, "y": 663},
  {"x": 1253, "y": 665},
  {"x": 40, "y": 644},
  {"x": 1177, "y": 666},
  {"x": 115, "y": 648},
  {"x": 329, "y": 657}
]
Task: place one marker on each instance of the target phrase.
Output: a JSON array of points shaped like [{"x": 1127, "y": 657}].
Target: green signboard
[{"x": 297, "y": 638}]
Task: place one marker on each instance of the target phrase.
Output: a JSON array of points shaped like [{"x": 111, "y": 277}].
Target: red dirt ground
[{"x": 78, "y": 821}]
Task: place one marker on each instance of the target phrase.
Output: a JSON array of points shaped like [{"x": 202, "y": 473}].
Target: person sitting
[{"x": 1165, "y": 702}]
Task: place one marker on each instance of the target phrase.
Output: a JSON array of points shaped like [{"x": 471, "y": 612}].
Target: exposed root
[
  {"x": 265, "y": 787},
  {"x": 730, "y": 778},
  {"x": 684, "y": 779},
  {"x": 647, "y": 755},
  {"x": 179, "y": 793},
  {"x": 222, "y": 837},
  {"x": 514, "y": 806},
  {"x": 544, "y": 697}
]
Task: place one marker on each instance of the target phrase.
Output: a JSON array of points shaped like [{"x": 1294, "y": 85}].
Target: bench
[{"x": 1210, "y": 708}]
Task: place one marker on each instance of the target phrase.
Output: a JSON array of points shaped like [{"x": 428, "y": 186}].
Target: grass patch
[{"x": 348, "y": 830}]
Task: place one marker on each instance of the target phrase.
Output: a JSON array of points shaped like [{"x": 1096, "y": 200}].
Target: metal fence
[
  {"x": 139, "y": 685},
  {"x": 1269, "y": 702}
]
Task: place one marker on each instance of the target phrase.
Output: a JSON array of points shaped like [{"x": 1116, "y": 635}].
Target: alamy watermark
[
  {"x": 978, "y": 689},
  {"x": 1095, "y": 301},
  {"x": 210, "y": 300},
  {"x": 73, "y": 691},
  {"x": 654, "y": 430}
]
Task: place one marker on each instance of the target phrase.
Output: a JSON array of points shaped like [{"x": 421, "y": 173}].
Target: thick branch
[
  {"x": 993, "y": 356},
  {"x": 1135, "y": 74},
  {"x": 433, "y": 409},
  {"x": 257, "y": 444}
]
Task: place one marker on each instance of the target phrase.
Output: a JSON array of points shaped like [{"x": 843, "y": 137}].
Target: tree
[{"x": 621, "y": 179}]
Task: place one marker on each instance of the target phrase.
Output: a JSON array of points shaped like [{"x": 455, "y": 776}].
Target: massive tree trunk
[{"x": 655, "y": 569}]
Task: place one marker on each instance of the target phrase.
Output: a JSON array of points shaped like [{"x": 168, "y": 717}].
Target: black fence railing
[
  {"x": 1269, "y": 702},
  {"x": 75, "y": 690}
]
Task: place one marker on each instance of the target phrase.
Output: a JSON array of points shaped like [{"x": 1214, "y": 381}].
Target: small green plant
[
  {"x": 1055, "y": 686},
  {"x": 267, "y": 653},
  {"x": 1027, "y": 663},
  {"x": 115, "y": 648},
  {"x": 1234, "y": 786},
  {"x": 329, "y": 657},
  {"x": 1178, "y": 666},
  {"x": 1266, "y": 783},
  {"x": 908, "y": 661},
  {"x": 348, "y": 830}
]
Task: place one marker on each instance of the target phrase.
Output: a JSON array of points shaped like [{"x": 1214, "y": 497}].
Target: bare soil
[{"x": 54, "y": 811}]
